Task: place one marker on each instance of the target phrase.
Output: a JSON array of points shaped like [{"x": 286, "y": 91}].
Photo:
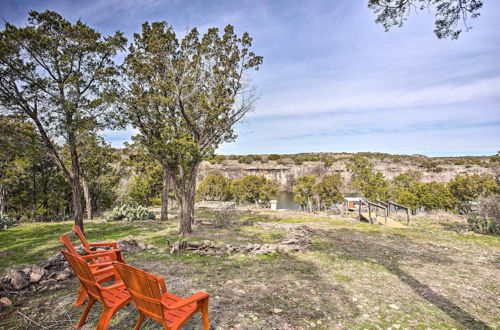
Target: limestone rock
[
  {"x": 37, "y": 273},
  {"x": 17, "y": 279}
]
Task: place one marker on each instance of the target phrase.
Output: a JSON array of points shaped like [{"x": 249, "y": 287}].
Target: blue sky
[{"x": 332, "y": 79}]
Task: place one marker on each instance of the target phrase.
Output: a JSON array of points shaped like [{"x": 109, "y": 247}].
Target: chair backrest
[
  {"x": 68, "y": 245},
  {"x": 144, "y": 289},
  {"x": 83, "y": 273},
  {"x": 81, "y": 236}
]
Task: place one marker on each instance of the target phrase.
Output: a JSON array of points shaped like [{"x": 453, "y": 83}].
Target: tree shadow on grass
[{"x": 368, "y": 248}]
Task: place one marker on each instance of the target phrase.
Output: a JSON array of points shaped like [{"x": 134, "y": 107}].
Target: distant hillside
[{"x": 285, "y": 168}]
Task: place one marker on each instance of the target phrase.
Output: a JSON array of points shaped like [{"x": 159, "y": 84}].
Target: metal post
[
  {"x": 370, "y": 214},
  {"x": 386, "y": 213}
]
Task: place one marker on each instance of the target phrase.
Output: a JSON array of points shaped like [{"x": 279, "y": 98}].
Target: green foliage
[
  {"x": 274, "y": 157},
  {"x": 371, "y": 184},
  {"x": 431, "y": 166},
  {"x": 245, "y": 159},
  {"x": 215, "y": 187},
  {"x": 185, "y": 96},
  {"x": 254, "y": 189},
  {"x": 486, "y": 219},
  {"x": 98, "y": 162},
  {"x": 62, "y": 76},
  {"x": 5, "y": 222},
  {"x": 448, "y": 16},
  {"x": 130, "y": 213},
  {"x": 483, "y": 225},
  {"x": 219, "y": 159},
  {"x": 304, "y": 190},
  {"x": 404, "y": 189},
  {"x": 328, "y": 190},
  {"x": 467, "y": 188},
  {"x": 434, "y": 196},
  {"x": 146, "y": 186},
  {"x": 31, "y": 186}
]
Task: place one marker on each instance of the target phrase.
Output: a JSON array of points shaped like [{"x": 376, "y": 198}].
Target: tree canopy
[
  {"x": 185, "y": 96},
  {"x": 451, "y": 16},
  {"x": 62, "y": 76}
]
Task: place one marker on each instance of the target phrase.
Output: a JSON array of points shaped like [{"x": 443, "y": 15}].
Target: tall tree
[
  {"x": 185, "y": 97},
  {"x": 328, "y": 190},
  {"x": 449, "y": 14},
  {"x": 370, "y": 183},
  {"x": 61, "y": 76},
  {"x": 304, "y": 191},
  {"x": 99, "y": 178}
]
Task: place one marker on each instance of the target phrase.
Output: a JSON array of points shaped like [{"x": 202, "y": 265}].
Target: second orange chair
[{"x": 151, "y": 298}]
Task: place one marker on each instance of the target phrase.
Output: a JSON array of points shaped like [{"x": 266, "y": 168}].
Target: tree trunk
[
  {"x": 185, "y": 189},
  {"x": 75, "y": 184},
  {"x": 3, "y": 199},
  {"x": 87, "y": 197},
  {"x": 164, "y": 194}
]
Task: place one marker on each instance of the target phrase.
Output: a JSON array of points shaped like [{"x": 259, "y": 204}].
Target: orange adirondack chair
[
  {"x": 88, "y": 246},
  {"x": 113, "y": 297},
  {"x": 98, "y": 261},
  {"x": 171, "y": 311}
]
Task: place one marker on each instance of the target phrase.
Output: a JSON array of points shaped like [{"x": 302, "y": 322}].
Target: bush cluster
[
  {"x": 5, "y": 222},
  {"x": 130, "y": 213}
]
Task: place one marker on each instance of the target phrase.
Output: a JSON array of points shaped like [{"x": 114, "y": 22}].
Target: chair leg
[
  {"x": 139, "y": 321},
  {"x": 85, "y": 313},
  {"x": 204, "y": 313},
  {"x": 82, "y": 293},
  {"x": 106, "y": 315}
]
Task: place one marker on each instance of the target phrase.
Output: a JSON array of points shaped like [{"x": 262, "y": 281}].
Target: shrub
[
  {"x": 482, "y": 225},
  {"x": 5, "y": 222},
  {"x": 214, "y": 188},
  {"x": 487, "y": 218},
  {"x": 130, "y": 213},
  {"x": 254, "y": 189},
  {"x": 274, "y": 157}
]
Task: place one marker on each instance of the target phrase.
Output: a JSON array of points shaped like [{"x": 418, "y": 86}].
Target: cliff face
[{"x": 286, "y": 174}]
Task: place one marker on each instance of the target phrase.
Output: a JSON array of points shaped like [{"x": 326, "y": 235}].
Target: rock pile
[
  {"x": 45, "y": 275},
  {"x": 297, "y": 240},
  {"x": 35, "y": 277},
  {"x": 131, "y": 245}
]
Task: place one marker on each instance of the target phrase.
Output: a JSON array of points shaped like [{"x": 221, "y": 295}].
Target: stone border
[{"x": 297, "y": 240}]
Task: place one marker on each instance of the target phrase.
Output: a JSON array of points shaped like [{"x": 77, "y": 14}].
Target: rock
[
  {"x": 37, "y": 273},
  {"x": 44, "y": 264},
  {"x": 17, "y": 279},
  {"x": 277, "y": 310},
  {"x": 5, "y": 301},
  {"x": 130, "y": 245},
  {"x": 26, "y": 270},
  {"x": 61, "y": 276},
  {"x": 393, "y": 306}
]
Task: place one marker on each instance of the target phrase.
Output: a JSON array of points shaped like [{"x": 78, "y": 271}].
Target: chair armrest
[
  {"x": 194, "y": 298},
  {"x": 102, "y": 264},
  {"x": 110, "y": 254},
  {"x": 111, "y": 287},
  {"x": 112, "y": 244},
  {"x": 102, "y": 251}
]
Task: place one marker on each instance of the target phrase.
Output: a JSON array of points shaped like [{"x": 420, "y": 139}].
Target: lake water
[{"x": 285, "y": 201}]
